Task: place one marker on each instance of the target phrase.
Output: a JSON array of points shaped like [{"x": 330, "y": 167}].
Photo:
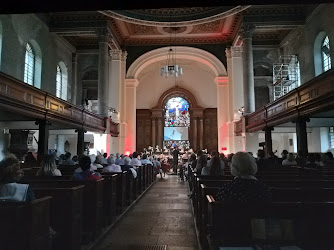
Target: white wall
[{"x": 197, "y": 78}]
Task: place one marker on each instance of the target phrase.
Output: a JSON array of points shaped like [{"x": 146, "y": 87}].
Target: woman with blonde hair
[
  {"x": 245, "y": 187},
  {"x": 48, "y": 167}
]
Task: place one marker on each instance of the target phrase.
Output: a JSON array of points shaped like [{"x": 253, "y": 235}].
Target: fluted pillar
[
  {"x": 130, "y": 115},
  {"x": 195, "y": 134},
  {"x": 201, "y": 133},
  {"x": 222, "y": 112},
  {"x": 103, "y": 84},
  {"x": 153, "y": 132},
  {"x": 248, "y": 72},
  {"x": 160, "y": 132}
]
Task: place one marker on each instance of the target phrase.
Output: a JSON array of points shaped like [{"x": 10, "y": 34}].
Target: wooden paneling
[
  {"x": 144, "y": 129},
  {"x": 210, "y": 140},
  {"x": 19, "y": 97}
]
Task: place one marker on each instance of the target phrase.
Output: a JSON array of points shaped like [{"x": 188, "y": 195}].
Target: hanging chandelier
[{"x": 171, "y": 68}]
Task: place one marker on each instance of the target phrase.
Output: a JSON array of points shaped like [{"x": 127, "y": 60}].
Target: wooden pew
[
  {"x": 66, "y": 213},
  {"x": 307, "y": 225},
  {"x": 25, "y": 225},
  {"x": 109, "y": 197},
  {"x": 92, "y": 201}
]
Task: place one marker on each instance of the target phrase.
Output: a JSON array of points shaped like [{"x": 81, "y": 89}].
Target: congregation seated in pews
[
  {"x": 280, "y": 206},
  {"x": 51, "y": 207}
]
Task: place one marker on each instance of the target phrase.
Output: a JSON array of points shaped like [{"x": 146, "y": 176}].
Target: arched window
[
  {"x": 58, "y": 82},
  {"x": 29, "y": 68},
  {"x": 325, "y": 54},
  {"x": 177, "y": 123},
  {"x": 61, "y": 81}
]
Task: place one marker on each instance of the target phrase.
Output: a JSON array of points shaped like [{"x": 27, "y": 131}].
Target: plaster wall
[
  {"x": 17, "y": 30},
  {"x": 197, "y": 78},
  {"x": 301, "y": 41}
]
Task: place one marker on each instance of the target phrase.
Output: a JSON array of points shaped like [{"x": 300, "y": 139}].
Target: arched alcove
[
  {"x": 317, "y": 53},
  {"x": 38, "y": 63}
]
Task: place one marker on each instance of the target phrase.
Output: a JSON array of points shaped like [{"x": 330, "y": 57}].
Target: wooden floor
[{"x": 163, "y": 216}]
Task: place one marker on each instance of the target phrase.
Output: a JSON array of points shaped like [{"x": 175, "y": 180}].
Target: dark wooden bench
[
  {"x": 25, "y": 225},
  {"x": 66, "y": 213},
  {"x": 92, "y": 201},
  {"x": 307, "y": 225}
]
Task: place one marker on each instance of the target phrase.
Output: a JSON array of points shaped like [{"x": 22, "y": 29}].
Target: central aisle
[{"x": 163, "y": 216}]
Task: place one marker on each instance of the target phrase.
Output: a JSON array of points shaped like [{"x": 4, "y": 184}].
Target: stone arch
[
  {"x": 182, "y": 52},
  {"x": 177, "y": 92},
  {"x": 38, "y": 63}
]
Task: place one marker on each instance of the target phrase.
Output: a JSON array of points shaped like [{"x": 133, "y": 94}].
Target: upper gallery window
[
  {"x": 29, "y": 67},
  {"x": 325, "y": 53},
  {"x": 61, "y": 81}
]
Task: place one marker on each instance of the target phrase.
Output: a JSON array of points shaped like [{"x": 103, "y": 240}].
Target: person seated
[
  {"x": 245, "y": 187},
  {"x": 272, "y": 160},
  {"x": 261, "y": 161},
  {"x": 213, "y": 154},
  {"x": 289, "y": 161},
  {"x": 75, "y": 159},
  {"x": 86, "y": 173},
  {"x": 310, "y": 163},
  {"x": 48, "y": 167},
  {"x": 301, "y": 158},
  {"x": 118, "y": 160},
  {"x": 98, "y": 162},
  {"x": 201, "y": 163},
  {"x": 214, "y": 168},
  {"x": 135, "y": 160},
  {"x": 10, "y": 174},
  {"x": 93, "y": 167},
  {"x": 112, "y": 167},
  {"x": 146, "y": 161},
  {"x": 104, "y": 160},
  {"x": 30, "y": 161},
  {"x": 329, "y": 159},
  {"x": 126, "y": 166},
  {"x": 318, "y": 161},
  {"x": 68, "y": 160}
]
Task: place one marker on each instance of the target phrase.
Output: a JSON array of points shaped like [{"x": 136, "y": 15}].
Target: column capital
[
  {"x": 157, "y": 113},
  {"x": 131, "y": 83},
  {"x": 247, "y": 30},
  {"x": 221, "y": 81},
  {"x": 228, "y": 53},
  {"x": 197, "y": 112},
  {"x": 115, "y": 54},
  {"x": 124, "y": 55},
  {"x": 236, "y": 51}
]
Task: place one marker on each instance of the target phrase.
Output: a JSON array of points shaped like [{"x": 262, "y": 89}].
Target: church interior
[{"x": 163, "y": 84}]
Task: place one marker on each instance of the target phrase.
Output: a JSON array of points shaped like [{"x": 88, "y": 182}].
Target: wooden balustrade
[{"x": 312, "y": 97}]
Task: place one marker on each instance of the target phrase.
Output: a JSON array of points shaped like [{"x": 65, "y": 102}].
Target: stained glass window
[
  {"x": 29, "y": 68},
  {"x": 177, "y": 113},
  {"x": 325, "y": 53}
]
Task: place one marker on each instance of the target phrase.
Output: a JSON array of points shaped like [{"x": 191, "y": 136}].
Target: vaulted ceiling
[{"x": 178, "y": 26}]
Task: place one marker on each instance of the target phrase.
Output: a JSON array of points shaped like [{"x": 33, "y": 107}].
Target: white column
[
  {"x": 122, "y": 123},
  {"x": 130, "y": 115},
  {"x": 248, "y": 72},
  {"x": 235, "y": 92},
  {"x": 222, "y": 113},
  {"x": 114, "y": 94}
]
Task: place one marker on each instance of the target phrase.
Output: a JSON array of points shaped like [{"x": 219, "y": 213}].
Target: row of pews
[
  {"x": 301, "y": 213},
  {"x": 78, "y": 211}
]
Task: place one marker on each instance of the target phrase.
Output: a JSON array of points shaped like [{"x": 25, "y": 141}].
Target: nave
[{"x": 162, "y": 217}]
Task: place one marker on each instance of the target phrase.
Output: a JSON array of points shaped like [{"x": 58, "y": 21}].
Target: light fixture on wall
[
  {"x": 113, "y": 110},
  {"x": 171, "y": 68}
]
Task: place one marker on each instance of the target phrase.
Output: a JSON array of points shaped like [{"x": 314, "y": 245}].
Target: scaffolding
[{"x": 286, "y": 75}]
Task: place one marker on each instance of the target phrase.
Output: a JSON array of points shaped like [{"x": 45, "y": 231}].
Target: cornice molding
[{"x": 225, "y": 14}]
